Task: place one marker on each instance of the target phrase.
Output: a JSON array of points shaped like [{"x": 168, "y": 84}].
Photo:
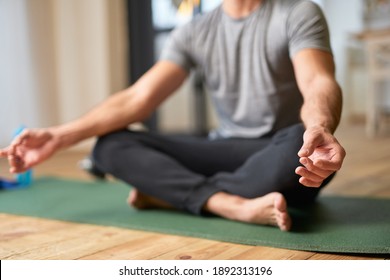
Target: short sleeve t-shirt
[{"x": 246, "y": 63}]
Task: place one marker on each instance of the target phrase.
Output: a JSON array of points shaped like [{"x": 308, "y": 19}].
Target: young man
[{"x": 270, "y": 72}]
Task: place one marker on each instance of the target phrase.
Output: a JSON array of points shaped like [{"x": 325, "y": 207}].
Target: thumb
[{"x": 310, "y": 142}]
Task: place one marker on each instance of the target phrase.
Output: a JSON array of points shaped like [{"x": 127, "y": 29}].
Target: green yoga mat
[{"x": 334, "y": 224}]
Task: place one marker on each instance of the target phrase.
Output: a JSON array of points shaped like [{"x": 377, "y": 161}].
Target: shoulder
[
  {"x": 288, "y": 7},
  {"x": 187, "y": 40},
  {"x": 296, "y": 13},
  {"x": 199, "y": 24}
]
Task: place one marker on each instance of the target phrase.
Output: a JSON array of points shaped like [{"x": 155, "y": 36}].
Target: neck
[{"x": 240, "y": 8}]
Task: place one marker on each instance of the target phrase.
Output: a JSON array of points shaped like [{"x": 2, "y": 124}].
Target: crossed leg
[{"x": 244, "y": 180}]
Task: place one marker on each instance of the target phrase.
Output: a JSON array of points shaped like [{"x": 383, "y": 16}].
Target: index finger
[
  {"x": 310, "y": 142},
  {"x": 4, "y": 152},
  {"x": 25, "y": 134}
]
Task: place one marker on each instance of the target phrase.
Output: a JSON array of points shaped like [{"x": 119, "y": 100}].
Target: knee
[
  {"x": 104, "y": 144},
  {"x": 291, "y": 137},
  {"x": 300, "y": 195},
  {"x": 108, "y": 146}
]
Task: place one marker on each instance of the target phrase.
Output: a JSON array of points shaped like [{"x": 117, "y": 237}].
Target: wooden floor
[{"x": 365, "y": 173}]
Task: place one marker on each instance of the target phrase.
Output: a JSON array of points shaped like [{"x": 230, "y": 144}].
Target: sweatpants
[{"x": 186, "y": 171}]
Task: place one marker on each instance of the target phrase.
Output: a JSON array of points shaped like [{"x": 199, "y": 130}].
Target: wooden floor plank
[
  {"x": 150, "y": 246},
  {"x": 320, "y": 256},
  {"x": 66, "y": 241},
  {"x": 200, "y": 250},
  {"x": 269, "y": 253}
]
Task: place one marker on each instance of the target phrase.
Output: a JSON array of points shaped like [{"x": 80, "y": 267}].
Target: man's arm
[
  {"x": 321, "y": 154},
  {"x": 131, "y": 105},
  {"x": 118, "y": 111}
]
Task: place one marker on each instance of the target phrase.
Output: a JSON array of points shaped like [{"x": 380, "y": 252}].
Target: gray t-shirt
[{"x": 246, "y": 63}]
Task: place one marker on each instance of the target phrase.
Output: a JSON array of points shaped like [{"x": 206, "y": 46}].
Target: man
[{"x": 270, "y": 72}]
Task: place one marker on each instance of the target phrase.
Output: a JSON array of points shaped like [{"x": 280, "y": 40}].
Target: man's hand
[
  {"x": 321, "y": 155},
  {"x": 31, "y": 147}
]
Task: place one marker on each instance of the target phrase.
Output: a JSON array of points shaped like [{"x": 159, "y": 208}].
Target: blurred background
[{"x": 59, "y": 58}]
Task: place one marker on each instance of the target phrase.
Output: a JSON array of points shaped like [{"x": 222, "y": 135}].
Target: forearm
[
  {"x": 322, "y": 104},
  {"x": 315, "y": 74},
  {"x": 116, "y": 112}
]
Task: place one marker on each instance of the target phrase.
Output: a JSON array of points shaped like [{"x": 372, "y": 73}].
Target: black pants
[{"x": 186, "y": 171}]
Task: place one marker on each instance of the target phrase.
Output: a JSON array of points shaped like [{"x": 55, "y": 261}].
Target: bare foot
[
  {"x": 140, "y": 200},
  {"x": 270, "y": 209}
]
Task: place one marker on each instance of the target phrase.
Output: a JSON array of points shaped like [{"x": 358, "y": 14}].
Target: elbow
[
  {"x": 321, "y": 85},
  {"x": 139, "y": 107}
]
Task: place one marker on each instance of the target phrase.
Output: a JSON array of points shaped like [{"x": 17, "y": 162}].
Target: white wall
[
  {"x": 58, "y": 58},
  {"x": 82, "y": 57},
  {"x": 345, "y": 18},
  {"x": 17, "y": 81}
]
